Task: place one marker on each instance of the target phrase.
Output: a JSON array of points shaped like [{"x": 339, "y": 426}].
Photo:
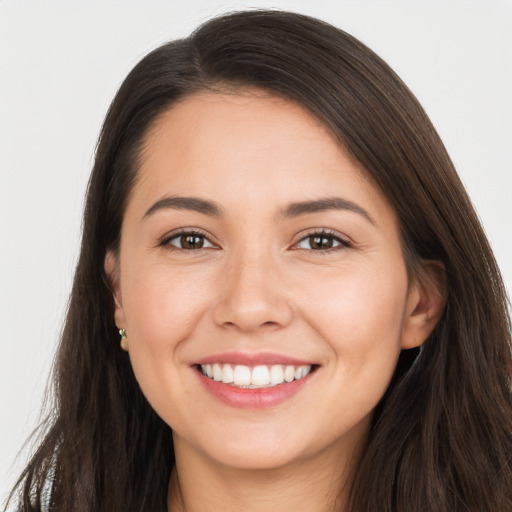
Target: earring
[{"x": 122, "y": 333}]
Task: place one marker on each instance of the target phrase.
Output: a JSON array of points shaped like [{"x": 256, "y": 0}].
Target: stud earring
[{"x": 122, "y": 333}]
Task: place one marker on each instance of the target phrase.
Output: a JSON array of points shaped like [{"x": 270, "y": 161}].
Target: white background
[{"x": 61, "y": 64}]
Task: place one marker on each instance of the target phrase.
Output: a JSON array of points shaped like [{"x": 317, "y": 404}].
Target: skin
[{"x": 258, "y": 284}]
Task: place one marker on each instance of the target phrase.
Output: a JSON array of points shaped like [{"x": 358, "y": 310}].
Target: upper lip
[{"x": 252, "y": 359}]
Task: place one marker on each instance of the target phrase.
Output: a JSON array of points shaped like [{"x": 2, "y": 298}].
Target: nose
[{"x": 252, "y": 295}]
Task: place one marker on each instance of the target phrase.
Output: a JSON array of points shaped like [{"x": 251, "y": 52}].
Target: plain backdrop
[{"x": 61, "y": 64}]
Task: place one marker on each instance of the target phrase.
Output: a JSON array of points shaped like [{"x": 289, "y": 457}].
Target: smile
[
  {"x": 256, "y": 377},
  {"x": 254, "y": 381}
]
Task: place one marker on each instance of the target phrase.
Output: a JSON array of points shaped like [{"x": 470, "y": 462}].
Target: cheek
[
  {"x": 357, "y": 300},
  {"x": 162, "y": 306},
  {"x": 359, "y": 316}
]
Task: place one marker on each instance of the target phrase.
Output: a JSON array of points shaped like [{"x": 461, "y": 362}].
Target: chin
[
  {"x": 270, "y": 458},
  {"x": 250, "y": 449}
]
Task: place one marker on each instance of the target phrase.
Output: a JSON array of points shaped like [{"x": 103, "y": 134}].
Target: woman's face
[{"x": 254, "y": 248}]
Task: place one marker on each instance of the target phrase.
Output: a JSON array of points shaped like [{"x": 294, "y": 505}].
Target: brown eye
[
  {"x": 189, "y": 241},
  {"x": 321, "y": 242}
]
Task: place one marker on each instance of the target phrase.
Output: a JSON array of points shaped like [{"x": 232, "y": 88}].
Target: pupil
[
  {"x": 191, "y": 242},
  {"x": 321, "y": 242}
]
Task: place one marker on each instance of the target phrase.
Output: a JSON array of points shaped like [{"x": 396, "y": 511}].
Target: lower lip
[{"x": 261, "y": 398}]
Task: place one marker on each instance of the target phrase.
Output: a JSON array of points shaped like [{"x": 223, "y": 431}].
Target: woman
[{"x": 284, "y": 299}]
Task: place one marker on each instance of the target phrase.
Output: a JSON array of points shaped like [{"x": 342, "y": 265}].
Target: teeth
[
  {"x": 217, "y": 372},
  {"x": 276, "y": 374},
  {"x": 289, "y": 373},
  {"x": 305, "y": 370},
  {"x": 228, "y": 375},
  {"x": 242, "y": 375},
  {"x": 301, "y": 371},
  {"x": 259, "y": 376}
]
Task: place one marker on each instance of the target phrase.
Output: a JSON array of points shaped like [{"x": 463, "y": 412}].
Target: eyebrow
[
  {"x": 322, "y": 205},
  {"x": 186, "y": 203},
  {"x": 293, "y": 210}
]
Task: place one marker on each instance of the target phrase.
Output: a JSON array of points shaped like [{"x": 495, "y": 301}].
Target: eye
[
  {"x": 188, "y": 240},
  {"x": 321, "y": 241}
]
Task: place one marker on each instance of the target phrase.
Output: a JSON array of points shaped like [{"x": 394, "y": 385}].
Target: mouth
[
  {"x": 254, "y": 377},
  {"x": 254, "y": 381}
]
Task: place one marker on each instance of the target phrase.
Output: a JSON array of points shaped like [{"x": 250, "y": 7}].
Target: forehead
[{"x": 248, "y": 149}]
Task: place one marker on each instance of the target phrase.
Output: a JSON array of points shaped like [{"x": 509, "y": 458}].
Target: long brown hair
[{"x": 441, "y": 438}]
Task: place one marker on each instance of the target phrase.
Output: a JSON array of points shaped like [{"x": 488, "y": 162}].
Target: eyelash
[
  {"x": 166, "y": 241},
  {"x": 323, "y": 233},
  {"x": 326, "y": 233}
]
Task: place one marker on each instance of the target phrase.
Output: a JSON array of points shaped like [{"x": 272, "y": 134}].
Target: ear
[
  {"x": 425, "y": 304},
  {"x": 111, "y": 266}
]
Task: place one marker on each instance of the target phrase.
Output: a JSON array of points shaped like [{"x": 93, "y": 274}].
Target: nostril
[{"x": 270, "y": 324}]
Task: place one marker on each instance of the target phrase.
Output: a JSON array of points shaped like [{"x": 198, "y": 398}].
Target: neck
[{"x": 313, "y": 485}]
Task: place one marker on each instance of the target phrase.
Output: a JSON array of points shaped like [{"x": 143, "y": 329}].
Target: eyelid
[
  {"x": 164, "y": 240},
  {"x": 325, "y": 232}
]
